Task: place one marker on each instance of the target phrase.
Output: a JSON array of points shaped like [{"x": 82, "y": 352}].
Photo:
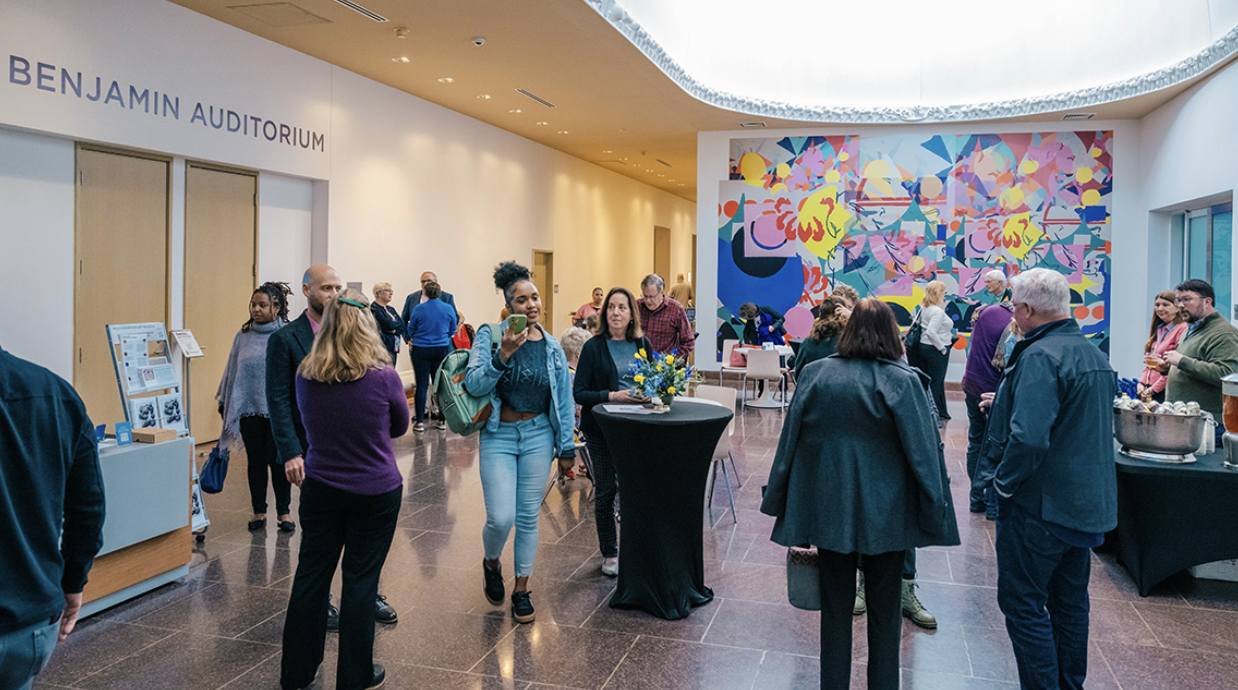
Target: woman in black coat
[
  {"x": 602, "y": 377},
  {"x": 860, "y": 471}
]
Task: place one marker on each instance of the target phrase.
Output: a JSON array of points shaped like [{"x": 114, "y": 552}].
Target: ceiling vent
[
  {"x": 536, "y": 97},
  {"x": 1078, "y": 116},
  {"x": 361, "y": 10},
  {"x": 279, "y": 14},
  {"x": 663, "y": 162},
  {"x": 752, "y": 125}
]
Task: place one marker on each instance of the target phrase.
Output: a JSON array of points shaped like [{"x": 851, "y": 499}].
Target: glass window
[
  {"x": 1197, "y": 246},
  {"x": 1222, "y": 256}
]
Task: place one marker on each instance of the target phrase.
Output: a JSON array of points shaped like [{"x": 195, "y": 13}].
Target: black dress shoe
[
  {"x": 255, "y": 525},
  {"x": 383, "y": 613},
  {"x": 333, "y": 615},
  {"x": 287, "y": 526},
  {"x": 494, "y": 585},
  {"x": 380, "y": 677}
]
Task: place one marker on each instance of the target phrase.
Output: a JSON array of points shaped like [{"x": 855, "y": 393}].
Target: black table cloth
[
  {"x": 1171, "y": 517},
  {"x": 662, "y": 462}
]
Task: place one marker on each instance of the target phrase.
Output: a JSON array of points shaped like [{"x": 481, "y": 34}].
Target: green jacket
[
  {"x": 1209, "y": 353},
  {"x": 859, "y": 466}
]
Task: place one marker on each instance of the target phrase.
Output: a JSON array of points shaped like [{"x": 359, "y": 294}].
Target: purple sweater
[
  {"x": 350, "y": 427},
  {"x": 980, "y": 376}
]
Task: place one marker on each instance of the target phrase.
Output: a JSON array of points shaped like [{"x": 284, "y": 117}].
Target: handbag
[
  {"x": 803, "y": 578},
  {"x": 739, "y": 355},
  {"x": 211, "y": 479},
  {"x": 911, "y": 339}
]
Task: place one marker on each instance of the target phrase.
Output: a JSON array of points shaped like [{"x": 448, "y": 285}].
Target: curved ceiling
[{"x": 909, "y": 60}]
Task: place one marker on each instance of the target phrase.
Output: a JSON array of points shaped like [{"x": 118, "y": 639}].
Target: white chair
[
  {"x": 765, "y": 365},
  {"x": 722, "y": 452},
  {"x": 727, "y": 347}
]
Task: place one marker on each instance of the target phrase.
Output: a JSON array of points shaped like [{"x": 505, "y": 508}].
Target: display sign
[{"x": 187, "y": 343}]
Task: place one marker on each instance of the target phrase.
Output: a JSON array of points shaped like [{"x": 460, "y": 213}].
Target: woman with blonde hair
[
  {"x": 352, "y": 404},
  {"x": 932, "y": 354}
]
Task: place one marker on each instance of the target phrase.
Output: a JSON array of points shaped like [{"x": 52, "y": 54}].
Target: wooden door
[
  {"x": 662, "y": 254},
  {"x": 122, "y": 259},
  {"x": 220, "y": 273},
  {"x": 544, "y": 279}
]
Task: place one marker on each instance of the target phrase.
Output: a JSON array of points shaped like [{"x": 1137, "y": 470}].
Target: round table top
[
  {"x": 1210, "y": 464},
  {"x": 683, "y": 411}
]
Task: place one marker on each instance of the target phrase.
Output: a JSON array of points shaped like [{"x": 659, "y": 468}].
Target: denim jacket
[{"x": 483, "y": 376}]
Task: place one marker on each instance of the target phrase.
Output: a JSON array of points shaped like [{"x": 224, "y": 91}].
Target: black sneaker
[
  {"x": 495, "y": 594},
  {"x": 522, "y": 607},
  {"x": 379, "y": 677},
  {"x": 333, "y": 615},
  {"x": 383, "y": 613}
]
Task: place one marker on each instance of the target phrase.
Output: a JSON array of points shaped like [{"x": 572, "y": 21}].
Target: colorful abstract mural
[{"x": 888, "y": 214}]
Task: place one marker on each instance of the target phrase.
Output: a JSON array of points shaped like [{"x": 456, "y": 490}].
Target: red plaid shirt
[{"x": 667, "y": 327}]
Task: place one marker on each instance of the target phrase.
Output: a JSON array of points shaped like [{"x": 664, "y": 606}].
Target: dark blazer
[
  {"x": 1051, "y": 430},
  {"x": 859, "y": 466},
  {"x": 596, "y": 377},
  {"x": 390, "y": 327},
  {"x": 412, "y": 301},
  {"x": 285, "y": 350}
]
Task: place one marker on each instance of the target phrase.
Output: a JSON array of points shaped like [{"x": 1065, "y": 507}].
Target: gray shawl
[{"x": 242, "y": 391}]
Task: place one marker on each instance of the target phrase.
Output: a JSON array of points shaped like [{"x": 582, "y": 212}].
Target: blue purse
[{"x": 211, "y": 479}]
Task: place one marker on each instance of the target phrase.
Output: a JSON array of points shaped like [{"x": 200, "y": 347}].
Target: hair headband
[{"x": 353, "y": 302}]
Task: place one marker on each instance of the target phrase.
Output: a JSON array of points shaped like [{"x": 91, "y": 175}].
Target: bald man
[
  {"x": 411, "y": 302},
  {"x": 285, "y": 350}
]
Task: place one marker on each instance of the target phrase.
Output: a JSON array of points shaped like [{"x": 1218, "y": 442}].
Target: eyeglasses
[{"x": 1185, "y": 300}]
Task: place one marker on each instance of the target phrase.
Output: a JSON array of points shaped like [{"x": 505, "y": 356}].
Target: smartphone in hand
[{"x": 517, "y": 322}]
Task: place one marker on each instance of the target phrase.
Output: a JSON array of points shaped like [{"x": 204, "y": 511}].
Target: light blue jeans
[
  {"x": 515, "y": 462},
  {"x": 24, "y": 653}
]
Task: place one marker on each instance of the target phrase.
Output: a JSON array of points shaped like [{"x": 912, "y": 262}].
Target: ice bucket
[{"x": 1169, "y": 434}]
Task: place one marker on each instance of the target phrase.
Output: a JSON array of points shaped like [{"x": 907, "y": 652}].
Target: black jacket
[
  {"x": 596, "y": 377},
  {"x": 390, "y": 327},
  {"x": 1051, "y": 430},
  {"x": 51, "y": 493},
  {"x": 285, "y": 350}
]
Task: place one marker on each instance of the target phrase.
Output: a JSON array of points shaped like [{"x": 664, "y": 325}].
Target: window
[{"x": 1207, "y": 244}]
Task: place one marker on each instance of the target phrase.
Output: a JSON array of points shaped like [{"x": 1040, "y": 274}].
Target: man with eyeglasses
[{"x": 1207, "y": 352}]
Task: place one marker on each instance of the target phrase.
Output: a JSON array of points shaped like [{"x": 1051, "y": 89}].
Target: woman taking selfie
[
  {"x": 603, "y": 377},
  {"x": 859, "y": 470},
  {"x": 242, "y": 402},
  {"x": 352, "y": 404},
  {"x": 531, "y": 421}
]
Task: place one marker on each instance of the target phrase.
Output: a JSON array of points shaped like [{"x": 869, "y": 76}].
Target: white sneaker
[{"x": 610, "y": 566}]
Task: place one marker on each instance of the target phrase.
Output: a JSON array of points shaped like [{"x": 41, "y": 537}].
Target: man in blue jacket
[
  {"x": 51, "y": 514},
  {"x": 1055, "y": 480}
]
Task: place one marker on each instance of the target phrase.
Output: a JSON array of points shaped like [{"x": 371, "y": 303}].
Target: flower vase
[{"x": 664, "y": 402}]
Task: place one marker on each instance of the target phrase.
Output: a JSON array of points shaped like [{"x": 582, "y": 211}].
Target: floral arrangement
[{"x": 660, "y": 376}]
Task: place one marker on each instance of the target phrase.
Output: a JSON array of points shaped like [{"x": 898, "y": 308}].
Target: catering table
[
  {"x": 1171, "y": 516},
  {"x": 662, "y": 462}
]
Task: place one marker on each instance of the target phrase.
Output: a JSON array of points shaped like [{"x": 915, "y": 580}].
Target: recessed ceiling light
[
  {"x": 671, "y": 179},
  {"x": 445, "y": 80},
  {"x": 515, "y": 111},
  {"x": 679, "y": 185},
  {"x": 661, "y": 175},
  {"x": 401, "y": 59},
  {"x": 543, "y": 123},
  {"x": 563, "y": 131},
  {"x": 624, "y": 158},
  {"x": 483, "y": 96},
  {"x": 608, "y": 151}
]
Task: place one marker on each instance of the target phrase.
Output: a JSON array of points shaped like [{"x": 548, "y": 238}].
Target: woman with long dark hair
[
  {"x": 603, "y": 377},
  {"x": 1168, "y": 327},
  {"x": 352, "y": 403},
  {"x": 243, "y": 405},
  {"x": 531, "y": 421},
  {"x": 859, "y": 470}
]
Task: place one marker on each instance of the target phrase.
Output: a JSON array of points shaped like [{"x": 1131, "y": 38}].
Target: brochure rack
[{"x": 150, "y": 389}]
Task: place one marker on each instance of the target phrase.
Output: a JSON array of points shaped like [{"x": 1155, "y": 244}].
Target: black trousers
[
  {"x": 361, "y": 527},
  {"x": 261, "y": 458},
  {"x": 883, "y": 593},
  {"x": 605, "y": 487},
  {"x": 928, "y": 359},
  {"x": 426, "y": 361}
]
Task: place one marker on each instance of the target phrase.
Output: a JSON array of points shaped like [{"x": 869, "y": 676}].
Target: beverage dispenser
[{"x": 1229, "y": 412}]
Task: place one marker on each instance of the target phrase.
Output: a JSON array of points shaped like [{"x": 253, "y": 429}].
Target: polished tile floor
[{"x": 220, "y": 627}]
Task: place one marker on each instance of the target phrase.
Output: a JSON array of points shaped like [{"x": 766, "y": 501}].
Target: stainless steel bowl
[{"x": 1158, "y": 433}]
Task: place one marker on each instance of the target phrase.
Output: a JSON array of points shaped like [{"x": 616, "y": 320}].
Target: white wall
[
  {"x": 402, "y": 187},
  {"x": 1129, "y": 230},
  {"x": 36, "y": 248}
]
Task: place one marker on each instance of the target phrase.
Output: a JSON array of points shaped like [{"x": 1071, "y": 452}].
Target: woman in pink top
[{"x": 1167, "y": 329}]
